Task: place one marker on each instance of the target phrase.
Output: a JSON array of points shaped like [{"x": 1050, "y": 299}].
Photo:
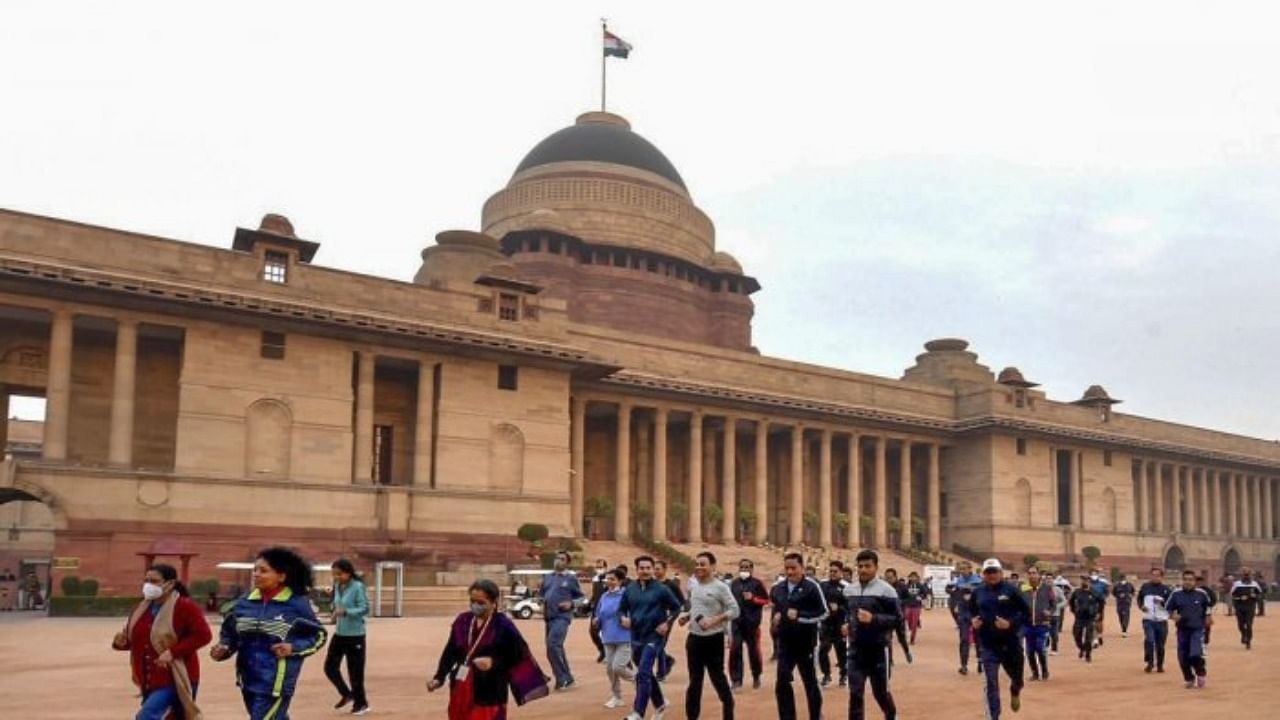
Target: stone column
[
  {"x": 4, "y": 421},
  {"x": 644, "y": 458},
  {"x": 1073, "y": 501},
  {"x": 577, "y": 450},
  {"x": 123, "y": 397},
  {"x": 710, "y": 483},
  {"x": 1143, "y": 506},
  {"x": 1256, "y": 496},
  {"x": 1159, "y": 501},
  {"x": 1205, "y": 529},
  {"x": 795, "y": 533},
  {"x": 1175, "y": 496},
  {"x": 825, "y": 538},
  {"x": 1233, "y": 525},
  {"x": 362, "y": 465},
  {"x": 762, "y": 480},
  {"x": 423, "y": 431},
  {"x": 622, "y": 484},
  {"x": 1268, "y": 509},
  {"x": 882, "y": 502},
  {"x": 904, "y": 495},
  {"x": 935, "y": 497},
  {"x": 854, "y": 479},
  {"x": 729, "y": 488},
  {"x": 1219, "y": 504},
  {"x": 57, "y": 416},
  {"x": 660, "y": 473},
  {"x": 695, "y": 476}
]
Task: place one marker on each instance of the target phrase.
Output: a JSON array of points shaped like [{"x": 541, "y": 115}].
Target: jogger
[
  {"x": 999, "y": 613},
  {"x": 711, "y": 609},
  {"x": 799, "y": 608},
  {"x": 1188, "y": 607},
  {"x": 873, "y": 614},
  {"x": 1152, "y": 597},
  {"x": 1245, "y": 595}
]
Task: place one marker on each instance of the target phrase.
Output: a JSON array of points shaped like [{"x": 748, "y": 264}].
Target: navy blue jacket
[
  {"x": 1085, "y": 604},
  {"x": 1192, "y": 607},
  {"x": 1123, "y": 592},
  {"x": 999, "y": 601},
  {"x": 881, "y": 600},
  {"x": 254, "y": 625},
  {"x": 648, "y": 603},
  {"x": 810, "y": 604},
  {"x": 557, "y": 588}
]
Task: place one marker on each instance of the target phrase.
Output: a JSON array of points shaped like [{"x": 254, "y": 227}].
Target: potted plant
[
  {"x": 746, "y": 522},
  {"x": 810, "y": 522},
  {"x": 534, "y": 534},
  {"x": 1091, "y": 553},
  {"x": 842, "y": 525},
  {"x": 867, "y": 525},
  {"x": 679, "y": 513},
  {"x": 642, "y": 518},
  {"x": 917, "y": 531},
  {"x": 712, "y": 514},
  {"x": 597, "y": 509},
  {"x": 894, "y": 525}
]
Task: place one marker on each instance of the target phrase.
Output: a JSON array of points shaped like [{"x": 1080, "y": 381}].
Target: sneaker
[
  {"x": 1124, "y": 634},
  {"x": 633, "y": 715},
  {"x": 1053, "y": 652},
  {"x": 1044, "y": 675},
  {"x": 1159, "y": 668},
  {"x": 1089, "y": 658},
  {"x": 658, "y": 712},
  {"x": 1148, "y": 668},
  {"x": 1035, "y": 677},
  {"x": 964, "y": 670},
  {"x": 910, "y": 658},
  {"x": 342, "y": 703},
  {"x": 600, "y": 658},
  {"x": 613, "y": 702},
  {"x": 360, "y": 710},
  {"x": 736, "y": 687},
  {"x": 1201, "y": 681},
  {"x": 567, "y": 684},
  {"x": 826, "y": 681},
  {"x": 1015, "y": 702},
  {"x": 1190, "y": 684},
  {"x": 844, "y": 681},
  {"x": 755, "y": 683}
]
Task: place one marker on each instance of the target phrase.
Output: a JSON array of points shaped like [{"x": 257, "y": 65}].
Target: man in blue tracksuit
[
  {"x": 1123, "y": 592},
  {"x": 1188, "y": 608},
  {"x": 647, "y": 609},
  {"x": 799, "y": 607},
  {"x": 999, "y": 613},
  {"x": 558, "y": 592},
  {"x": 959, "y": 592},
  {"x": 1246, "y": 594}
]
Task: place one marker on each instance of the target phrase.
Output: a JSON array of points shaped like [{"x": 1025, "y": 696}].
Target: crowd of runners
[{"x": 857, "y": 614}]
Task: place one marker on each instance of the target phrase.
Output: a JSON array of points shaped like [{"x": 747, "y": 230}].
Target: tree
[
  {"x": 1091, "y": 553},
  {"x": 679, "y": 513},
  {"x": 917, "y": 529},
  {"x": 842, "y": 524},
  {"x": 642, "y": 516},
  {"x": 1029, "y": 561},
  {"x": 810, "y": 522},
  {"x": 746, "y": 521},
  {"x": 533, "y": 533},
  {"x": 596, "y": 509},
  {"x": 713, "y": 514}
]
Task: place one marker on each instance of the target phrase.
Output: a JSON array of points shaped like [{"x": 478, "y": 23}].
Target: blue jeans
[
  {"x": 1154, "y": 635},
  {"x": 266, "y": 707},
  {"x": 1036, "y": 638},
  {"x": 160, "y": 701},
  {"x": 557, "y": 631},
  {"x": 647, "y": 687},
  {"x": 1009, "y": 656}
]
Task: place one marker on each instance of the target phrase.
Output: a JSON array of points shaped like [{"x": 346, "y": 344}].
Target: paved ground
[{"x": 64, "y": 669}]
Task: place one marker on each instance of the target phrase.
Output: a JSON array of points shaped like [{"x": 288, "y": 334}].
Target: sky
[{"x": 1085, "y": 191}]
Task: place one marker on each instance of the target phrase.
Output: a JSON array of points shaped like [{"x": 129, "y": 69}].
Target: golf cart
[{"x": 524, "y": 602}]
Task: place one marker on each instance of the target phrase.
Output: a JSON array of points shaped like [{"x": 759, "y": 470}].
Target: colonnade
[{"x": 1196, "y": 500}]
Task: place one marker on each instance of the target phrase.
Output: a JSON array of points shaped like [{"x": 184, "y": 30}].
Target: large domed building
[{"x": 583, "y": 360}]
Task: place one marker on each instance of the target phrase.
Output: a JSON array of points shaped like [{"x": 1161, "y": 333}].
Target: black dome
[{"x": 598, "y": 137}]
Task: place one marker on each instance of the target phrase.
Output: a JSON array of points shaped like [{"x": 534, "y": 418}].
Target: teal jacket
[{"x": 352, "y": 598}]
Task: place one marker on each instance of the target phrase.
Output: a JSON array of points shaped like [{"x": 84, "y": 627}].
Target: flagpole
[{"x": 604, "y": 27}]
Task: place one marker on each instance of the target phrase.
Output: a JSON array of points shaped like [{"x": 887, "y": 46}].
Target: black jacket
[
  {"x": 881, "y": 600},
  {"x": 1084, "y": 604},
  {"x": 833, "y": 593},
  {"x": 810, "y": 606},
  {"x": 749, "y": 611},
  {"x": 1122, "y": 592}
]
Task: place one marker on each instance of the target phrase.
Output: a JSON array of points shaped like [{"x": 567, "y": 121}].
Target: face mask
[
  {"x": 478, "y": 609},
  {"x": 151, "y": 591},
  {"x": 744, "y": 574}
]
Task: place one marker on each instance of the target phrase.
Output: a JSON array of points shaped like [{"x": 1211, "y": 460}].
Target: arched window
[
  {"x": 1022, "y": 502},
  {"x": 506, "y": 457},
  {"x": 1231, "y": 562},
  {"x": 1174, "y": 559},
  {"x": 269, "y": 425}
]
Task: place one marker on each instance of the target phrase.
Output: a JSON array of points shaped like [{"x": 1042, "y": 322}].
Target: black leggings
[{"x": 353, "y": 647}]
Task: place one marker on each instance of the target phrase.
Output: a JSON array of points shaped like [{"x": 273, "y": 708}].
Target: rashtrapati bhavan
[{"x": 584, "y": 361}]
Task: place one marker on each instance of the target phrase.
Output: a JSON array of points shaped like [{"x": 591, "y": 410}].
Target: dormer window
[
  {"x": 275, "y": 267},
  {"x": 508, "y": 306}
]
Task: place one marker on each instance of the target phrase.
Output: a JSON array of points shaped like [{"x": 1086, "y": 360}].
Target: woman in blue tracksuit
[{"x": 271, "y": 630}]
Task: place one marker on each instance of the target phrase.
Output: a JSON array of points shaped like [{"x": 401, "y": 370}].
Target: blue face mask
[{"x": 478, "y": 609}]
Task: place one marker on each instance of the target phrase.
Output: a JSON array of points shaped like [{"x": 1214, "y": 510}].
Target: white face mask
[
  {"x": 744, "y": 574},
  {"x": 151, "y": 591}
]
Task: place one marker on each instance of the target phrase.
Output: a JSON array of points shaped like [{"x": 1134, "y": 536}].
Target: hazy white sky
[{"x": 1089, "y": 192}]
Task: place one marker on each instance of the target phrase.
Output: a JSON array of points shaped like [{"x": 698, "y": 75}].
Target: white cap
[{"x": 991, "y": 564}]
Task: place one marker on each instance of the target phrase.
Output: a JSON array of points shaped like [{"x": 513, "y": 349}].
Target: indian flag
[{"x": 615, "y": 46}]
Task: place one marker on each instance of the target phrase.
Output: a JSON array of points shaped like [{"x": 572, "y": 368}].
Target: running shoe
[{"x": 613, "y": 702}]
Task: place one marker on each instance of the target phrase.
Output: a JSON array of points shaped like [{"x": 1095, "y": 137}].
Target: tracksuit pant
[
  {"x": 705, "y": 654},
  {"x": 617, "y": 659},
  {"x": 748, "y": 636},
  {"x": 870, "y": 662},
  {"x": 1055, "y": 629},
  {"x": 1191, "y": 652},
  {"x": 912, "y": 615},
  {"x": 1154, "y": 636},
  {"x": 1122, "y": 611},
  {"x": 557, "y": 631},
  {"x": 266, "y": 707},
  {"x": 829, "y": 637},
  {"x": 647, "y": 687},
  {"x": 1244, "y": 621},
  {"x": 1082, "y": 631},
  {"x": 1036, "y": 638},
  {"x": 796, "y": 654},
  {"x": 352, "y": 647},
  {"x": 966, "y": 635},
  {"x": 1008, "y": 656}
]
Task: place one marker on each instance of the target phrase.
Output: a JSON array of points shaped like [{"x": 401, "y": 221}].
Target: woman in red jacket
[{"x": 162, "y": 637}]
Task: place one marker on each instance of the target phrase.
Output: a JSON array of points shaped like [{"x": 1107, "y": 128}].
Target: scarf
[{"x": 163, "y": 637}]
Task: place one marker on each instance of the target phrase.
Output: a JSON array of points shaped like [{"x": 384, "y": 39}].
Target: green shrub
[
  {"x": 1091, "y": 553},
  {"x": 533, "y": 532},
  {"x": 1029, "y": 561},
  {"x": 89, "y": 587},
  {"x": 91, "y": 606},
  {"x": 204, "y": 588},
  {"x": 71, "y": 586}
]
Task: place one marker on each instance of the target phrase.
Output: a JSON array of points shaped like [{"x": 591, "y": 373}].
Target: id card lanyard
[{"x": 465, "y": 668}]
